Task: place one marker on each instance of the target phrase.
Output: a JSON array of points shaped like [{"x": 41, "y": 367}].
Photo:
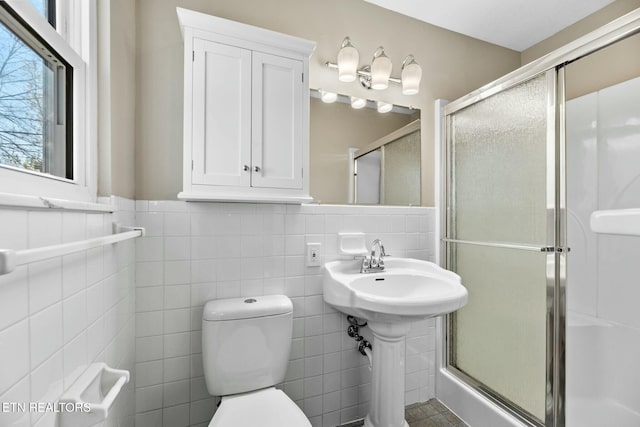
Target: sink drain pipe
[
  {"x": 364, "y": 346},
  {"x": 367, "y": 351}
]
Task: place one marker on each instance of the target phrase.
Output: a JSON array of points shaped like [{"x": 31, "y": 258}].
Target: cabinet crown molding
[{"x": 243, "y": 32}]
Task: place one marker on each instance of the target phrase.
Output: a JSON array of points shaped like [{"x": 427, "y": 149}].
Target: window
[
  {"x": 33, "y": 104},
  {"x": 46, "y": 8},
  {"x": 45, "y": 99}
]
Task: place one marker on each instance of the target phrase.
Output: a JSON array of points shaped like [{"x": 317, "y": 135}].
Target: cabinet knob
[
  {"x": 256, "y": 168},
  {"x": 246, "y": 168}
]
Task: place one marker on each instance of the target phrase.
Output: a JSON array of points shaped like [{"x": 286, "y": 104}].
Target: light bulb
[
  {"x": 357, "y": 103},
  {"x": 380, "y": 70},
  {"x": 328, "y": 97},
  {"x": 384, "y": 107},
  {"x": 411, "y": 75},
  {"x": 348, "y": 58}
]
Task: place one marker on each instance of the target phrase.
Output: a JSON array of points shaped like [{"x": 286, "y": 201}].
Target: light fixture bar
[{"x": 362, "y": 73}]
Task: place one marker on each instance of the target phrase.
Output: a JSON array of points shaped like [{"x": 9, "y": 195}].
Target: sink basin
[{"x": 408, "y": 289}]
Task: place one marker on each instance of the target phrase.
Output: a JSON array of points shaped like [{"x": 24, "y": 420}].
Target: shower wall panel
[{"x": 603, "y": 335}]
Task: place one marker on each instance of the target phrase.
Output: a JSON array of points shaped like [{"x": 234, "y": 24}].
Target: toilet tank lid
[{"x": 247, "y": 308}]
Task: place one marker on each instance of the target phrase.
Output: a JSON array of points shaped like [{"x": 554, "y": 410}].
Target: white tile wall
[
  {"x": 195, "y": 252},
  {"x": 59, "y": 315}
]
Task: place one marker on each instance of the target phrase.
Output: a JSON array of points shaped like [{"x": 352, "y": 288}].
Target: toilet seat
[{"x": 268, "y": 407}]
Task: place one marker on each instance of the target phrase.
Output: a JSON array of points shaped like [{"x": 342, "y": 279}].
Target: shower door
[{"x": 504, "y": 203}]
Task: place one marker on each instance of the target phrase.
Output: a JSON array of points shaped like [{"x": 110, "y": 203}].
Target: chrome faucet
[{"x": 374, "y": 263}]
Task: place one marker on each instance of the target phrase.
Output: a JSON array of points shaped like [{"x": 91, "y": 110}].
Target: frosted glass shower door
[{"x": 501, "y": 210}]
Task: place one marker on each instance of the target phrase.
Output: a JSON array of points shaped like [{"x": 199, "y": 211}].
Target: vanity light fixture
[
  {"x": 358, "y": 103},
  {"x": 384, "y": 107},
  {"x": 328, "y": 97},
  {"x": 377, "y": 75}
]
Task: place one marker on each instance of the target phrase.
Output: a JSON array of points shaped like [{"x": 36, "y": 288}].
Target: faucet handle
[{"x": 365, "y": 265}]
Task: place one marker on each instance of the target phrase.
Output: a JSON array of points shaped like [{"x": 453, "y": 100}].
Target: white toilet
[{"x": 245, "y": 350}]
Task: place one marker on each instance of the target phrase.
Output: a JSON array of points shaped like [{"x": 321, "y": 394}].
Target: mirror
[
  {"x": 363, "y": 156},
  {"x": 387, "y": 172}
]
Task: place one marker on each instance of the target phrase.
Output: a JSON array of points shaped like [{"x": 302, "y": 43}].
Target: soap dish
[
  {"x": 93, "y": 395},
  {"x": 352, "y": 244}
]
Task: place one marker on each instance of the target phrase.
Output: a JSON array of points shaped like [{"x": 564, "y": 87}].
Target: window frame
[{"x": 75, "y": 41}]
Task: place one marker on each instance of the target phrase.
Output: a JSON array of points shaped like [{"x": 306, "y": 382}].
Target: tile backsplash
[
  {"x": 195, "y": 252},
  {"x": 138, "y": 305},
  {"x": 59, "y": 315}
]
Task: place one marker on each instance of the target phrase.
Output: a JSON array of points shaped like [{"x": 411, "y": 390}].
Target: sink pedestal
[{"x": 388, "y": 375}]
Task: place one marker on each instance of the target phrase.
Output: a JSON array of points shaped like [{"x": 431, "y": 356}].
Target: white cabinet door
[
  {"x": 221, "y": 114},
  {"x": 277, "y": 139}
]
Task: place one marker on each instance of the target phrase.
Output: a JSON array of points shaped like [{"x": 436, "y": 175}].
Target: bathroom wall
[
  {"x": 59, "y": 315},
  {"x": 195, "y": 252},
  {"x": 610, "y": 66},
  {"x": 116, "y": 97},
  {"x": 590, "y": 23},
  {"x": 452, "y": 64}
]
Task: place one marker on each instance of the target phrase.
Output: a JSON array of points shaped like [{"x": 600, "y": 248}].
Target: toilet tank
[{"x": 246, "y": 343}]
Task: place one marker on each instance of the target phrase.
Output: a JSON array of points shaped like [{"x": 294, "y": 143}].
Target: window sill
[{"x": 20, "y": 201}]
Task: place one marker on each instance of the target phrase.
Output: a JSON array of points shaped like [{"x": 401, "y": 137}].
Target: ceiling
[{"x": 515, "y": 24}]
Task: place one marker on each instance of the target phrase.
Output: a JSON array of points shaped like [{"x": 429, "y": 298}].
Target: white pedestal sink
[{"x": 407, "y": 290}]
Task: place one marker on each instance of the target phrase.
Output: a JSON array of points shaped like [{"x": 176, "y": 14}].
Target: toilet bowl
[
  {"x": 245, "y": 351},
  {"x": 268, "y": 407}
]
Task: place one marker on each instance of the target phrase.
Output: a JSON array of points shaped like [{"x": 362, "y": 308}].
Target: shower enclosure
[{"x": 550, "y": 334}]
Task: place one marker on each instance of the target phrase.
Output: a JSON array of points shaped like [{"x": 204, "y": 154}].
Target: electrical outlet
[{"x": 313, "y": 254}]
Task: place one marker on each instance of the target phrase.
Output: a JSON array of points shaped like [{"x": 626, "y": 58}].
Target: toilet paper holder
[{"x": 92, "y": 395}]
